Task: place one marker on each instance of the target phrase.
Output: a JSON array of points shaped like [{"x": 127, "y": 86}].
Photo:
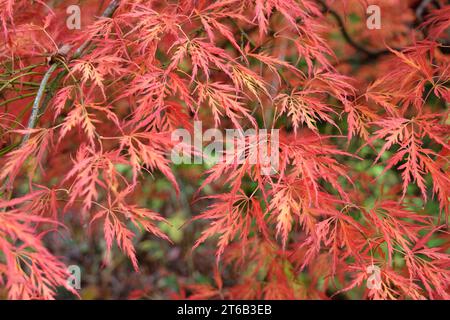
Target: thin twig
[
  {"x": 109, "y": 11},
  {"x": 421, "y": 9},
  {"x": 369, "y": 53},
  {"x": 22, "y": 96}
]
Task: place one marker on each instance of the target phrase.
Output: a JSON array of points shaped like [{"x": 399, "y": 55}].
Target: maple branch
[
  {"x": 369, "y": 53},
  {"x": 35, "y": 109},
  {"x": 19, "y": 97},
  {"x": 62, "y": 51},
  {"x": 421, "y": 9},
  {"x": 344, "y": 31},
  {"x": 109, "y": 11}
]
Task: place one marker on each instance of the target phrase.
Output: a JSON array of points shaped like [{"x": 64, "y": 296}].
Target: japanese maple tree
[{"x": 362, "y": 183}]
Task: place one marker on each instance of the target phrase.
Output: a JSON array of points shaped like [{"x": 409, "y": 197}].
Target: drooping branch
[
  {"x": 63, "y": 50},
  {"x": 421, "y": 9},
  {"x": 369, "y": 53},
  {"x": 109, "y": 11},
  {"x": 37, "y": 101},
  {"x": 54, "y": 64}
]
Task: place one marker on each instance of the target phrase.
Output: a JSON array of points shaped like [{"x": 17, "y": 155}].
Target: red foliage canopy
[{"x": 86, "y": 118}]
